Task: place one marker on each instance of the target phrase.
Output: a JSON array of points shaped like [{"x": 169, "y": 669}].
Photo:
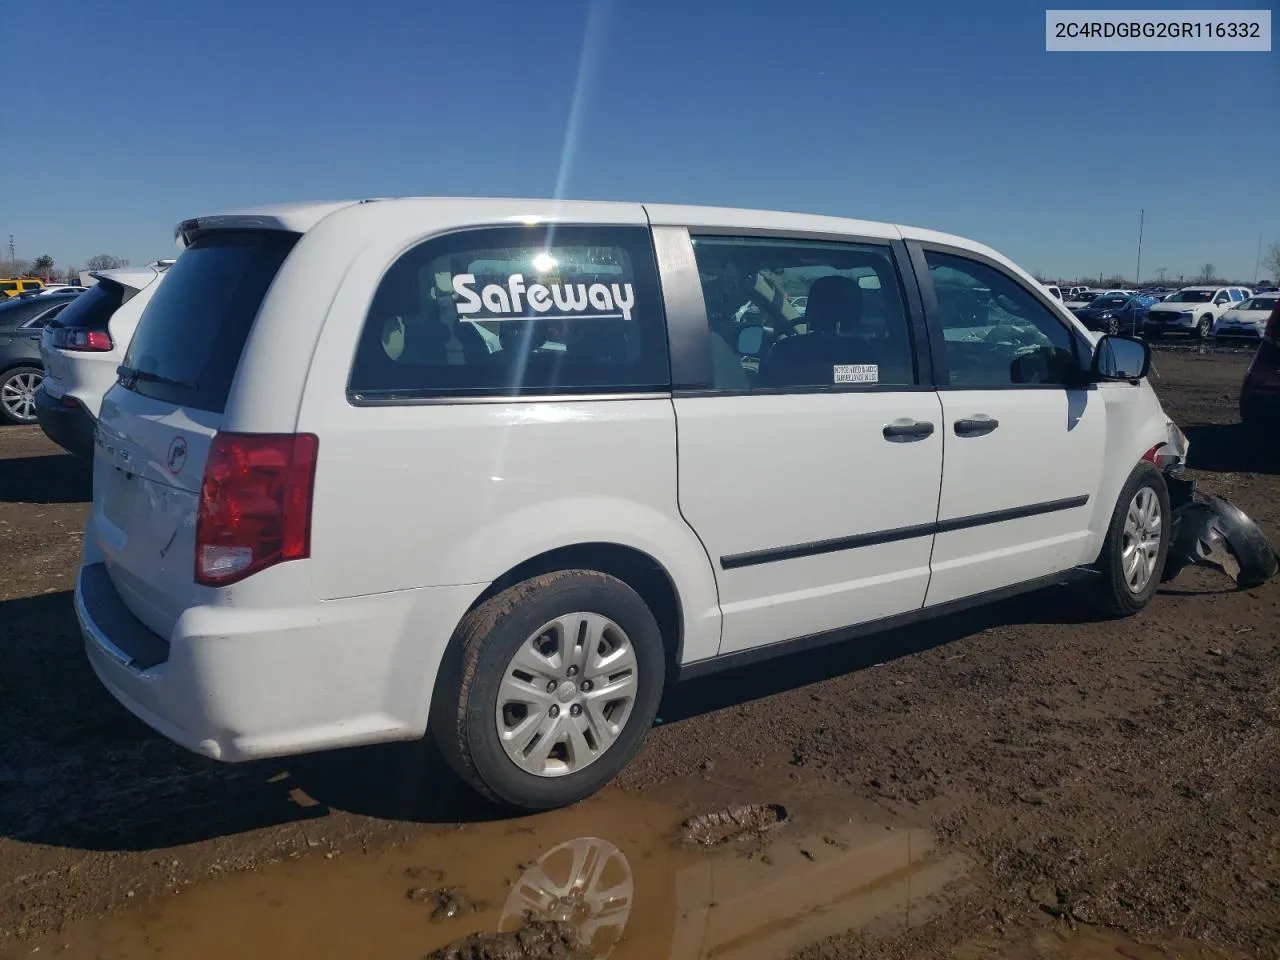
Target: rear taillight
[
  {"x": 1271, "y": 332},
  {"x": 255, "y": 504},
  {"x": 69, "y": 338}
]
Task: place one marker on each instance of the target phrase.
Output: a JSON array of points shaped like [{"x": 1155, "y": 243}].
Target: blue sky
[{"x": 945, "y": 115}]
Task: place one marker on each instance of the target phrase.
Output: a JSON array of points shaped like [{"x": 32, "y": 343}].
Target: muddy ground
[{"x": 1052, "y": 786}]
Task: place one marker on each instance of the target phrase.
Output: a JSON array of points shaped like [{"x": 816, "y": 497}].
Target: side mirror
[
  {"x": 750, "y": 341},
  {"x": 1121, "y": 358}
]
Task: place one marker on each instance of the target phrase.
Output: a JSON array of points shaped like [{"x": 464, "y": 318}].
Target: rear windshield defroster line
[{"x": 191, "y": 335}]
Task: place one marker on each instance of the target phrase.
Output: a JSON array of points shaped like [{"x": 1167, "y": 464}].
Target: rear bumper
[
  {"x": 66, "y": 422},
  {"x": 235, "y": 684},
  {"x": 1261, "y": 403},
  {"x": 1260, "y": 392}
]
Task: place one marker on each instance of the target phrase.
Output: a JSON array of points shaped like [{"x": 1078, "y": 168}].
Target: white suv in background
[
  {"x": 328, "y": 510},
  {"x": 1193, "y": 310},
  {"x": 83, "y": 347}
]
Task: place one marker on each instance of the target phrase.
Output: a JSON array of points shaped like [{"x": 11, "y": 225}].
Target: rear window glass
[
  {"x": 92, "y": 309},
  {"x": 516, "y": 311},
  {"x": 191, "y": 335}
]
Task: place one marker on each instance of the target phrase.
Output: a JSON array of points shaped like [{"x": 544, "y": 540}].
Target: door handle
[
  {"x": 906, "y": 430},
  {"x": 978, "y": 426}
]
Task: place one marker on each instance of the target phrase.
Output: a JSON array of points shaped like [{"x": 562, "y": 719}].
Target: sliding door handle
[
  {"x": 978, "y": 426},
  {"x": 906, "y": 430}
]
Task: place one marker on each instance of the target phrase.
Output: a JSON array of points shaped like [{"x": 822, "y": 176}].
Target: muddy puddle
[{"x": 617, "y": 876}]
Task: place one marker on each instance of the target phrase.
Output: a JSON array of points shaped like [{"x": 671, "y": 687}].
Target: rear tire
[
  {"x": 511, "y": 675},
  {"x": 18, "y": 394},
  {"x": 1129, "y": 567}
]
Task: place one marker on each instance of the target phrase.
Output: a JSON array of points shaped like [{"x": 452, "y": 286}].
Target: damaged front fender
[{"x": 1213, "y": 532}]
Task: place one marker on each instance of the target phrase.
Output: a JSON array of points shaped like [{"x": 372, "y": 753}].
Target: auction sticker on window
[{"x": 857, "y": 373}]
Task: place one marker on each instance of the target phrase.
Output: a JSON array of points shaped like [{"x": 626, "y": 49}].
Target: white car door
[
  {"x": 809, "y": 454},
  {"x": 1024, "y": 443}
]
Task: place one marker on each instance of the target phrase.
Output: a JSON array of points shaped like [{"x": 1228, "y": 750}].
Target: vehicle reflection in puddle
[{"x": 609, "y": 877}]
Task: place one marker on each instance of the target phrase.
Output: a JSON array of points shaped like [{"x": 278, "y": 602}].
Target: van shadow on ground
[
  {"x": 78, "y": 771},
  {"x": 54, "y": 478}
]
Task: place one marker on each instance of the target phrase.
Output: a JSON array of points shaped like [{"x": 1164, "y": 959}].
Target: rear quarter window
[
  {"x": 191, "y": 335},
  {"x": 514, "y": 311},
  {"x": 93, "y": 309}
]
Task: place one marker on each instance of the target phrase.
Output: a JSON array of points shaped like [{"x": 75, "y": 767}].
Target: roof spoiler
[{"x": 188, "y": 230}]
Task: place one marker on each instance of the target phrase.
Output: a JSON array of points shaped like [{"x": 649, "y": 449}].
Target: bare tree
[
  {"x": 1207, "y": 272},
  {"x": 18, "y": 267},
  {"x": 1271, "y": 260},
  {"x": 1161, "y": 273},
  {"x": 104, "y": 261}
]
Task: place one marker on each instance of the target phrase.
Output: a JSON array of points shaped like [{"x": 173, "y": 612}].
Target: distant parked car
[
  {"x": 82, "y": 350},
  {"x": 1081, "y": 298},
  {"x": 1247, "y": 318},
  {"x": 19, "y": 285},
  {"x": 21, "y": 368},
  {"x": 1115, "y": 314},
  {"x": 1193, "y": 310},
  {"x": 1260, "y": 392},
  {"x": 1055, "y": 292},
  {"x": 62, "y": 288}
]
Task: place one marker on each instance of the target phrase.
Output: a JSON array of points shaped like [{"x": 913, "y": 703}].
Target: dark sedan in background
[
  {"x": 1260, "y": 392},
  {"x": 1116, "y": 314},
  {"x": 21, "y": 368}
]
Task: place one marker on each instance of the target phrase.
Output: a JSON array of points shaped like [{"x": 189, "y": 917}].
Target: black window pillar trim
[
  {"x": 932, "y": 314},
  {"x": 688, "y": 333},
  {"x": 926, "y": 352}
]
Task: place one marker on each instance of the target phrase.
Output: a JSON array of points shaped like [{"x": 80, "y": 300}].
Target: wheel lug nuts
[
  {"x": 551, "y": 686},
  {"x": 586, "y": 685},
  {"x": 573, "y": 671},
  {"x": 554, "y": 711},
  {"x": 575, "y": 710}
]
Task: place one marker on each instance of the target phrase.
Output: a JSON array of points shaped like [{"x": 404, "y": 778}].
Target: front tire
[
  {"x": 18, "y": 394},
  {"x": 1133, "y": 554},
  {"x": 554, "y": 684},
  {"x": 1203, "y": 327}
]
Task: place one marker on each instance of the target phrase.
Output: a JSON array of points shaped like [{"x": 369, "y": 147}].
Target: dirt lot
[{"x": 1017, "y": 782}]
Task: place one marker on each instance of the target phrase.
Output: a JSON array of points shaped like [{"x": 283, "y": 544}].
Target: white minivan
[
  {"x": 502, "y": 470},
  {"x": 82, "y": 348}
]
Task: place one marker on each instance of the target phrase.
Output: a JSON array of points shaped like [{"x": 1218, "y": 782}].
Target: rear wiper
[{"x": 129, "y": 375}]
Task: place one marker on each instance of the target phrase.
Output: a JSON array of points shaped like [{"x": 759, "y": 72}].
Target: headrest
[{"x": 833, "y": 300}]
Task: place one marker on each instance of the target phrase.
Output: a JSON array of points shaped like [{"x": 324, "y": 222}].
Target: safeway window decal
[{"x": 551, "y": 301}]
